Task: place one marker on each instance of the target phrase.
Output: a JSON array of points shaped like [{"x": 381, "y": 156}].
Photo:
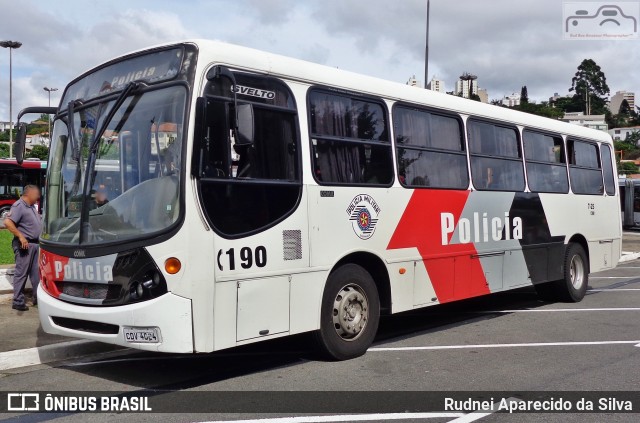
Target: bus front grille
[{"x": 93, "y": 291}]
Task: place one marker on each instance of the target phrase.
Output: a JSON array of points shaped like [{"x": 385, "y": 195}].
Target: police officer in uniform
[{"x": 24, "y": 222}]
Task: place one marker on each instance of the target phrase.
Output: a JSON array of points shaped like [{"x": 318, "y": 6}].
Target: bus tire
[
  {"x": 350, "y": 313},
  {"x": 4, "y": 211},
  {"x": 573, "y": 287}
]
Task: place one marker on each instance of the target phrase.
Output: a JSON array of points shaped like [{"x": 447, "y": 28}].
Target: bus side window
[
  {"x": 246, "y": 187},
  {"x": 496, "y": 160},
  {"x": 584, "y": 168},
  {"x": 546, "y": 162},
  {"x": 430, "y": 149},
  {"x": 350, "y": 140}
]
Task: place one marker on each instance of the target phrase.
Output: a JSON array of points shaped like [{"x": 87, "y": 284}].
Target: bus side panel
[
  {"x": 594, "y": 217},
  {"x": 268, "y": 268},
  {"x": 335, "y": 233}
]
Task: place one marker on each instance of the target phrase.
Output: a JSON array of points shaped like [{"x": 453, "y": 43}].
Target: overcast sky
[{"x": 506, "y": 43}]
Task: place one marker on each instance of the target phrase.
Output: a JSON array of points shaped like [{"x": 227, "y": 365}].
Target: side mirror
[
  {"x": 245, "y": 125},
  {"x": 20, "y": 143},
  {"x": 21, "y": 129}
]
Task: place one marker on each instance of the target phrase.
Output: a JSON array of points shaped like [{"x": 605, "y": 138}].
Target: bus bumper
[{"x": 168, "y": 316}]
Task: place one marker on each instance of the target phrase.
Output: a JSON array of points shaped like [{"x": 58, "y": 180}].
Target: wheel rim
[
  {"x": 350, "y": 312},
  {"x": 4, "y": 213},
  {"x": 576, "y": 271}
]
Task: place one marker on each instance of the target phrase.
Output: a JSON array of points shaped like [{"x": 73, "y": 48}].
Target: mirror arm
[{"x": 225, "y": 72}]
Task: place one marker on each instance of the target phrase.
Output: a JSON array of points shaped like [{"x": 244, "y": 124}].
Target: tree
[
  {"x": 542, "y": 109},
  {"x": 590, "y": 86},
  {"x": 4, "y": 149},
  {"x": 38, "y": 152},
  {"x": 633, "y": 138},
  {"x": 569, "y": 104},
  {"x": 474, "y": 97},
  {"x": 524, "y": 95},
  {"x": 627, "y": 168},
  {"x": 624, "y": 108}
]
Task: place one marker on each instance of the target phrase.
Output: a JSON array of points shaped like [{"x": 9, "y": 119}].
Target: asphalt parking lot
[{"x": 510, "y": 342}]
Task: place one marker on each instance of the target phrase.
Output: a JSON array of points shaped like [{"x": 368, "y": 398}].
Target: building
[
  {"x": 4, "y": 126},
  {"x": 620, "y": 134},
  {"x": 483, "y": 94},
  {"x": 618, "y": 97},
  {"x": 511, "y": 100},
  {"x": 436, "y": 85},
  {"x": 589, "y": 121},
  {"x": 466, "y": 85},
  {"x": 413, "y": 82}
]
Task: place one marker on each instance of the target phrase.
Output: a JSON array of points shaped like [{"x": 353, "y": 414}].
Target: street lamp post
[
  {"x": 10, "y": 45},
  {"x": 426, "y": 49},
  {"x": 49, "y": 90}
]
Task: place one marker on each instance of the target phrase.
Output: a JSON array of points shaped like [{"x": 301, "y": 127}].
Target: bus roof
[{"x": 211, "y": 52}]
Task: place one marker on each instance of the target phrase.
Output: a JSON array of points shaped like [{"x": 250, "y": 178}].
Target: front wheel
[
  {"x": 573, "y": 287},
  {"x": 350, "y": 313}
]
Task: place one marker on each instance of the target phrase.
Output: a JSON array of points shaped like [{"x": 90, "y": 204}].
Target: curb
[
  {"x": 54, "y": 352},
  {"x": 629, "y": 257}
]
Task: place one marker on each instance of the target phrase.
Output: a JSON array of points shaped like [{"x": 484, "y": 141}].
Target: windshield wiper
[
  {"x": 75, "y": 151},
  {"x": 131, "y": 86},
  {"x": 85, "y": 227}
]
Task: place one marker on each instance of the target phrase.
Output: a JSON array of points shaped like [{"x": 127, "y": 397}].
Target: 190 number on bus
[{"x": 247, "y": 257}]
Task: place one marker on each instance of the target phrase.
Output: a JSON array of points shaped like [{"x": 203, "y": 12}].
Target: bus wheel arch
[
  {"x": 582, "y": 241},
  {"x": 379, "y": 272},
  {"x": 575, "y": 269},
  {"x": 351, "y": 306}
]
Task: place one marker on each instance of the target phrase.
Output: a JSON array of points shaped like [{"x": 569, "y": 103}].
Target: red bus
[{"x": 13, "y": 177}]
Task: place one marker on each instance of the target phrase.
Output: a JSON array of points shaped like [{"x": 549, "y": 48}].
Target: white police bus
[{"x": 296, "y": 197}]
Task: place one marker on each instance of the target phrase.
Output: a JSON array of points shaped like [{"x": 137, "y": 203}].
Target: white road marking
[
  {"x": 542, "y": 310},
  {"x": 628, "y": 267},
  {"x": 48, "y": 353},
  {"x": 613, "y": 289},
  {"x": 610, "y": 277},
  {"x": 528, "y": 344},
  {"x": 350, "y": 418},
  {"x": 477, "y": 415}
]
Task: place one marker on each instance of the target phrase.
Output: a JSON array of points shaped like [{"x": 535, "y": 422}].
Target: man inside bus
[
  {"x": 24, "y": 222},
  {"x": 101, "y": 196}
]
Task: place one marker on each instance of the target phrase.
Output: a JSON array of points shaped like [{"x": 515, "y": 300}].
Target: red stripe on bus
[
  {"x": 48, "y": 272},
  {"x": 454, "y": 274}
]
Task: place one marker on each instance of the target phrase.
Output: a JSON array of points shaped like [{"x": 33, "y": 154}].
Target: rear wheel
[
  {"x": 573, "y": 287},
  {"x": 350, "y": 313}
]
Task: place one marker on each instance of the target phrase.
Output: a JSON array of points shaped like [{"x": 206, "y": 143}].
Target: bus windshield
[{"x": 126, "y": 182}]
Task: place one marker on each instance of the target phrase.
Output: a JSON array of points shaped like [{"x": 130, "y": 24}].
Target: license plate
[{"x": 142, "y": 335}]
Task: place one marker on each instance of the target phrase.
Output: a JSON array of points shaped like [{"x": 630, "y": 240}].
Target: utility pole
[
  {"x": 426, "y": 50},
  {"x": 10, "y": 45},
  {"x": 49, "y": 90}
]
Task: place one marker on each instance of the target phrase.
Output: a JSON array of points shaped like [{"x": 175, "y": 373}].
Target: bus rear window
[{"x": 607, "y": 168}]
